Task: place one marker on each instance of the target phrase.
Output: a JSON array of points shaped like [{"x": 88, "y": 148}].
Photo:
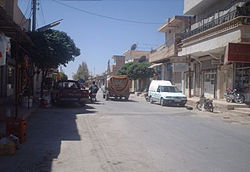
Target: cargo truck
[{"x": 118, "y": 87}]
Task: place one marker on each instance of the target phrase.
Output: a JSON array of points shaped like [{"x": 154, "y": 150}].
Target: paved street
[{"x": 130, "y": 136}]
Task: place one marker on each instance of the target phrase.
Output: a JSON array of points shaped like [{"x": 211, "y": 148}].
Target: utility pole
[{"x": 34, "y": 15}]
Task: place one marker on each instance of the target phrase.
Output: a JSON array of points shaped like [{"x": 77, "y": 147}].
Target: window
[
  {"x": 169, "y": 89},
  {"x": 68, "y": 85}
]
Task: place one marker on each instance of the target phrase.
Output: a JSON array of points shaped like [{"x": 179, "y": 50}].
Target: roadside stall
[{"x": 14, "y": 43}]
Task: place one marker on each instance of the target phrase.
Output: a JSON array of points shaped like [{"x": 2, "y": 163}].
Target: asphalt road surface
[{"x": 133, "y": 136}]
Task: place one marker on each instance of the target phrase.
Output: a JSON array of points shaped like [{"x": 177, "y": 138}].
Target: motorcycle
[
  {"x": 205, "y": 103},
  {"x": 234, "y": 96},
  {"x": 92, "y": 97}
]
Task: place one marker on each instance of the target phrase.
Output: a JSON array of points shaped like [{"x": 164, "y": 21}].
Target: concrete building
[
  {"x": 166, "y": 62},
  {"x": 136, "y": 56},
  {"x": 118, "y": 62},
  {"x": 15, "y": 46},
  {"x": 217, "y": 47},
  {"x": 13, "y": 11}
]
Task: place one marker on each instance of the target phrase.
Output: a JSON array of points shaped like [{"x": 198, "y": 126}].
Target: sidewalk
[
  {"x": 220, "y": 105},
  {"x": 9, "y": 112}
]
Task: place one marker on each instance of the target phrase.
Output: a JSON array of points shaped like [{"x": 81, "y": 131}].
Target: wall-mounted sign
[
  {"x": 180, "y": 67},
  {"x": 237, "y": 52}
]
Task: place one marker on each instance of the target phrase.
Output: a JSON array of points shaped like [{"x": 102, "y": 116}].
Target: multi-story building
[
  {"x": 13, "y": 11},
  {"x": 136, "y": 56},
  {"x": 217, "y": 46},
  {"x": 166, "y": 62}
]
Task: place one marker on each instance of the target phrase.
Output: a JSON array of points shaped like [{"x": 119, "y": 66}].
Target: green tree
[
  {"x": 82, "y": 72},
  {"x": 136, "y": 70},
  {"x": 51, "y": 49}
]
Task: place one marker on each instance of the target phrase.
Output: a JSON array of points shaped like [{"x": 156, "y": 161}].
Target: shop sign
[
  {"x": 180, "y": 67},
  {"x": 237, "y": 53},
  {"x": 178, "y": 60}
]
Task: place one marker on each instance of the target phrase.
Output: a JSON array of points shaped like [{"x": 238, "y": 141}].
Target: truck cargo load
[{"x": 118, "y": 87}]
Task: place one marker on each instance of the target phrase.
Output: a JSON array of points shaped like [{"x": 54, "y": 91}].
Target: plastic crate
[{"x": 18, "y": 128}]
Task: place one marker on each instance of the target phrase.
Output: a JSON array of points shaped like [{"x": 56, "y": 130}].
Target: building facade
[
  {"x": 217, "y": 47},
  {"x": 15, "y": 47},
  {"x": 118, "y": 62},
  {"x": 166, "y": 62}
]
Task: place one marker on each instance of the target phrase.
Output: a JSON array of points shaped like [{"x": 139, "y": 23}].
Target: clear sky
[{"x": 100, "y": 38}]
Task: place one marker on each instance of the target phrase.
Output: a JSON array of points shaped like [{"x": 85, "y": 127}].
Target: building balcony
[
  {"x": 166, "y": 51},
  {"x": 162, "y": 53},
  {"x": 219, "y": 19},
  {"x": 224, "y": 23},
  {"x": 216, "y": 35}
]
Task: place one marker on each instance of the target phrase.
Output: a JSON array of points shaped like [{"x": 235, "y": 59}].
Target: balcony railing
[
  {"x": 162, "y": 52},
  {"x": 218, "y": 21},
  {"x": 167, "y": 50}
]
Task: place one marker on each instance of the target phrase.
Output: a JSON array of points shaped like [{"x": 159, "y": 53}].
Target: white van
[{"x": 165, "y": 93}]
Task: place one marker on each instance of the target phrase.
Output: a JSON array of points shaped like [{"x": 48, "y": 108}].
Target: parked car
[
  {"x": 69, "y": 91},
  {"x": 165, "y": 93}
]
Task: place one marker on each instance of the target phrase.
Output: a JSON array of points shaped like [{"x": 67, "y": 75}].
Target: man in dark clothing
[{"x": 93, "y": 89}]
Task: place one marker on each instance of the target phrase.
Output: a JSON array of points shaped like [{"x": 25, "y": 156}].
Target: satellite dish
[
  {"x": 133, "y": 47},
  {"x": 142, "y": 59}
]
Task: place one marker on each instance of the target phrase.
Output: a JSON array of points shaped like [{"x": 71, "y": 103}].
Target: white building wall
[
  {"x": 212, "y": 44},
  {"x": 204, "y": 8},
  {"x": 190, "y": 4}
]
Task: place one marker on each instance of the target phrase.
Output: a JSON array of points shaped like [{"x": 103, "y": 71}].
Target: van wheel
[
  {"x": 150, "y": 100},
  {"x": 162, "y": 102}
]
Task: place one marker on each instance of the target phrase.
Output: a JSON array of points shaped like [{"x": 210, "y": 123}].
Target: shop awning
[
  {"x": 155, "y": 65},
  {"x": 237, "y": 52}
]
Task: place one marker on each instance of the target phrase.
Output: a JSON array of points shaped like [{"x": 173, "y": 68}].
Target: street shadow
[
  {"x": 121, "y": 100},
  {"x": 46, "y": 130},
  {"x": 72, "y": 105}
]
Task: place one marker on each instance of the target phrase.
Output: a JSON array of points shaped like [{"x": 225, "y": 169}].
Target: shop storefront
[
  {"x": 238, "y": 55},
  {"x": 242, "y": 79},
  {"x": 14, "y": 43},
  {"x": 208, "y": 78},
  {"x": 6, "y": 69}
]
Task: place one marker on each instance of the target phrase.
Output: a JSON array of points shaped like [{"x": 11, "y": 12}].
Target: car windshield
[
  {"x": 68, "y": 85},
  {"x": 169, "y": 89}
]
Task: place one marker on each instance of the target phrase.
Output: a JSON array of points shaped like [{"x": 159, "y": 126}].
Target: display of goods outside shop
[
  {"x": 7, "y": 147},
  {"x": 18, "y": 128}
]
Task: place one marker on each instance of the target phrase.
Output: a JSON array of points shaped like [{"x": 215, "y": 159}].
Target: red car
[{"x": 69, "y": 91}]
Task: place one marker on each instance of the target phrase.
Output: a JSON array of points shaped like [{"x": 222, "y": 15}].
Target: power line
[
  {"x": 111, "y": 0},
  {"x": 41, "y": 7},
  {"x": 104, "y": 16}
]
